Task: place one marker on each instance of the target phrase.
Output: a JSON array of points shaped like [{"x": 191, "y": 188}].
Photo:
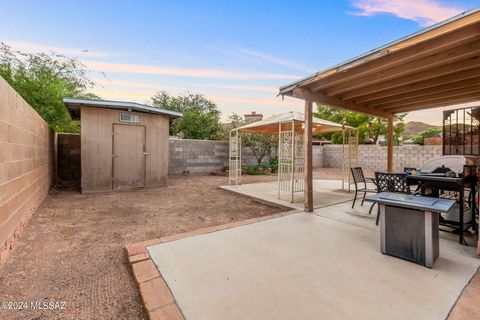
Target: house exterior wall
[
  {"x": 26, "y": 164},
  {"x": 97, "y": 148}
]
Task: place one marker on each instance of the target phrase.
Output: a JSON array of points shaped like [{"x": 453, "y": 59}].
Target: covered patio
[{"x": 435, "y": 67}]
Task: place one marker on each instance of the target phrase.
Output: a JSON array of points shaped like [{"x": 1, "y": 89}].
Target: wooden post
[
  {"x": 308, "y": 170},
  {"x": 390, "y": 144}
]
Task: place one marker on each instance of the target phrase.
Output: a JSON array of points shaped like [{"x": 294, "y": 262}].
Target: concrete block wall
[
  {"x": 204, "y": 156},
  {"x": 318, "y": 156},
  {"x": 374, "y": 158},
  {"x": 197, "y": 156},
  {"x": 26, "y": 164},
  {"x": 68, "y": 158}
]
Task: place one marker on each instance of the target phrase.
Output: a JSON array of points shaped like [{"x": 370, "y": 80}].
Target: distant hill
[{"x": 414, "y": 127}]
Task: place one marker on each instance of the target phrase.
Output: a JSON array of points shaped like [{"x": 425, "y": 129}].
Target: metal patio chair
[
  {"x": 361, "y": 185},
  {"x": 391, "y": 182}
]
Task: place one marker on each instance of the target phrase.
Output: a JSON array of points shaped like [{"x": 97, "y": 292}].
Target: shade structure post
[
  {"x": 235, "y": 158},
  {"x": 343, "y": 157},
  {"x": 308, "y": 170},
  {"x": 292, "y": 156},
  {"x": 390, "y": 144},
  {"x": 279, "y": 157}
]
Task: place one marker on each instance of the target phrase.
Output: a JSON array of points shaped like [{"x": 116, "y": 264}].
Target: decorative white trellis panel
[
  {"x": 235, "y": 158},
  {"x": 290, "y": 160},
  {"x": 350, "y": 156}
]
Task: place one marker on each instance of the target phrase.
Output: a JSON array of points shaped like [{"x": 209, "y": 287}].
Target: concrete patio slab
[
  {"x": 325, "y": 193},
  {"x": 307, "y": 266}
]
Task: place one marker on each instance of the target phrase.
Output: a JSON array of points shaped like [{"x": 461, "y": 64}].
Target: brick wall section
[
  {"x": 68, "y": 157},
  {"x": 26, "y": 164},
  {"x": 374, "y": 158}
]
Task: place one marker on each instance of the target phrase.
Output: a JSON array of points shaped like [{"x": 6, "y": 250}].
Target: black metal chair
[
  {"x": 361, "y": 185},
  {"x": 391, "y": 182}
]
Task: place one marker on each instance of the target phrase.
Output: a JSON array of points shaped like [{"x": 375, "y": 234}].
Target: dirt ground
[{"x": 72, "y": 249}]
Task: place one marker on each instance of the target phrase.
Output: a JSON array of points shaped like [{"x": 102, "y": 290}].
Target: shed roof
[
  {"x": 437, "y": 66},
  {"x": 270, "y": 125},
  {"x": 74, "y": 104}
]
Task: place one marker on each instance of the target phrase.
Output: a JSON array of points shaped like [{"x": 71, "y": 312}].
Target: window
[{"x": 129, "y": 118}]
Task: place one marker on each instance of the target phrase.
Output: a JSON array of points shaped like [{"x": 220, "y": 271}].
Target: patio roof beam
[
  {"x": 433, "y": 96},
  {"x": 434, "y": 104},
  {"x": 407, "y": 89},
  {"x": 443, "y": 70},
  {"x": 398, "y": 55},
  {"x": 423, "y": 92},
  {"x": 427, "y": 63},
  {"x": 321, "y": 98}
]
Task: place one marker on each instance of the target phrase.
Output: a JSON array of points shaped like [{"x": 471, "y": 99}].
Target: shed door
[{"x": 128, "y": 156}]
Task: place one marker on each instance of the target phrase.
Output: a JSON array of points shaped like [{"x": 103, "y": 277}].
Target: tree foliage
[
  {"x": 259, "y": 144},
  {"x": 43, "y": 80},
  {"x": 370, "y": 128},
  {"x": 420, "y": 138},
  {"x": 201, "y": 117}
]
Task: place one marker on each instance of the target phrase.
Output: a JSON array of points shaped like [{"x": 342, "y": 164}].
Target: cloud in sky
[
  {"x": 184, "y": 87},
  {"x": 102, "y": 66},
  {"x": 424, "y": 12},
  {"x": 36, "y": 48},
  {"x": 274, "y": 60}
]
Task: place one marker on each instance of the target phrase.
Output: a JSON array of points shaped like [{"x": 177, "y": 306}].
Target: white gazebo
[{"x": 290, "y": 128}]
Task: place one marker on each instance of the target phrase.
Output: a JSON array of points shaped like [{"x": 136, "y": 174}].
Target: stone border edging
[{"x": 156, "y": 296}]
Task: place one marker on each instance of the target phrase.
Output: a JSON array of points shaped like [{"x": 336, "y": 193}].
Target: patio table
[
  {"x": 409, "y": 225},
  {"x": 438, "y": 182}
]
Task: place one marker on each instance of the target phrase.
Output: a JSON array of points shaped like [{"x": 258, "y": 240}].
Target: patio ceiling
[{"x": 438, "y": 66}]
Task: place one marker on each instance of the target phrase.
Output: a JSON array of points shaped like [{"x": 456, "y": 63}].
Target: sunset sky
[{"x": 236, "y": 53}]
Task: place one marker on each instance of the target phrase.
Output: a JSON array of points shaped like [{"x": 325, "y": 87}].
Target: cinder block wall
[
  {"x": 317, "y": 156},
  {"x": 68, "y": 158},
  {"x": 197, "y": 156},
  {"x": 204, "y": 156},
  {"x": 26, "y": 164},
  {"x": 374, "y": 158}
]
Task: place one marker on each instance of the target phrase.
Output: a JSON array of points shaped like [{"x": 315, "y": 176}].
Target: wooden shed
[{"x": 123, "y": 144}]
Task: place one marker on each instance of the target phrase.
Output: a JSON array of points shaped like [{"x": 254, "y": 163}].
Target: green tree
[
  {"x": 369, "y": 127},
  {"x": 201, "y": 117},
  {"x": 259, "y": 144},
  {"x": 420, "y": 138},
  {"x": 43, "y": 80}
]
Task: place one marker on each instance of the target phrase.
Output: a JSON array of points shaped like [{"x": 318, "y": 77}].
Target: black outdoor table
[
  {"x": 409, "y": 225},
  {"x": 438, "y": 182}
]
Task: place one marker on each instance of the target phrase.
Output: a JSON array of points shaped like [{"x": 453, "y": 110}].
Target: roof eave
[{"x": 121, "y": 105}]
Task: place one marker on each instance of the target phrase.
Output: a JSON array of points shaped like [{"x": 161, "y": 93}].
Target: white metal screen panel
[{"x": 235, "y": 158}]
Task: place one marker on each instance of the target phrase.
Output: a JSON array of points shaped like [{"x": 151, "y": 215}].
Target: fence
[
  {"x": 203, "y": 156},
  {"x": 207, "y": 156},
  {"x": 26, "y": 164},
  {"x": 374, "y": 158}
]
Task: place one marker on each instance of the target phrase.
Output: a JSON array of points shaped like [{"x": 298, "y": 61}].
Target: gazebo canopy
[{"x": 271, "y": 125}]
